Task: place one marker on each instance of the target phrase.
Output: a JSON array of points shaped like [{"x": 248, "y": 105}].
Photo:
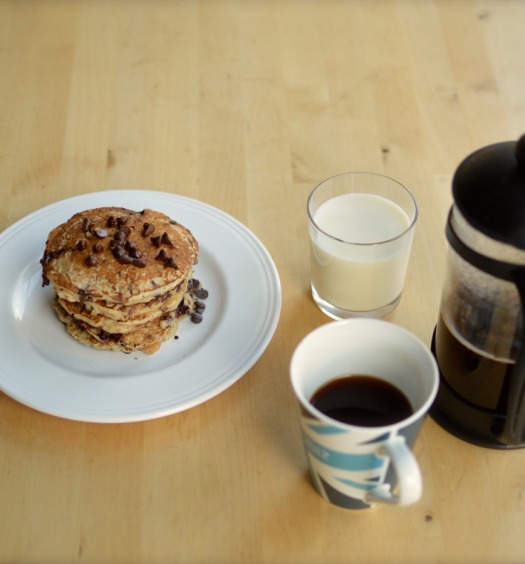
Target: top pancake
[{"x": 118, "y": 255}]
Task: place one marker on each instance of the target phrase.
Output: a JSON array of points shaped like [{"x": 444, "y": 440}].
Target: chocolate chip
[
  {"x": 125, "y": 229},
  {"x": 156, "y": 241},
  {"x": 111, "y": 222},
  {"x": 122, "y": 220},
  {"x": 106, "y": 336},
  {"x": 81, "y": 245},
  {"x": 199, "y": 306},
  {"x": 135, "y": 253},
  {"x": 182, "y": 309},
  {"x": 170, "y": 262},
  {"x": 141, "y": 263},
  {"x": 166, "y": 239},
  {"x": 196, "y": 317},
  {"x": 87, "y": 224},
  {"x": 130, "y": 245},
  {"x": 114, "y": 244},
  {"x": 91, "y": 261},
  {"x": 119, "y": 236},
  {"x": 100, "y": 233},
  {"x": 147, "y": 229},
  {"x": 118, "y": 252},
  {"x": 125, "y": 259},
  {"x": 200, "y": 293},
  {"x": 98, "y": 248},
  {"x": 162, "y": 255},
  {"x": 84, "y": 296}
]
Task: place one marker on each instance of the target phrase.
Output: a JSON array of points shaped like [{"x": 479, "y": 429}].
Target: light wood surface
[{"x": 247, "y": 106}]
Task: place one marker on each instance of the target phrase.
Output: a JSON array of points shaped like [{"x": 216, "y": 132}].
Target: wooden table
[{"x": 247, "y": 106}]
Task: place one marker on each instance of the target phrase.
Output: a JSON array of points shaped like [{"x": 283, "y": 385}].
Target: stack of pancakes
[{"x": 123, "y": 279}]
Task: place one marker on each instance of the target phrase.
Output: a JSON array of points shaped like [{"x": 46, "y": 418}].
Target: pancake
[
  {"x": 118, "y": 255},
  {"x": 124, "y": 319},
  {"x": 146, "y": 338},
  {"x": 123, "y": 279}
]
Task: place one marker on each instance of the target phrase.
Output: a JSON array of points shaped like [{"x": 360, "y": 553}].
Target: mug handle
[{"x": 407, "y": 472}]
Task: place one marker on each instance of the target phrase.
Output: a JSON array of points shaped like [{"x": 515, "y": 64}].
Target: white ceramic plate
[{"x": 45, "y": 368}]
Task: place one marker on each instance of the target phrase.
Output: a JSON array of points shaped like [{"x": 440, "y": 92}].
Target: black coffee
[
  {"x": 365, "y": 401},
  {"x": 481, "y": 380}
]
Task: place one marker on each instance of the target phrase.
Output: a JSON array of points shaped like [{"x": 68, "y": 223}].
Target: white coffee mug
[{"x": 356, "y": 466}]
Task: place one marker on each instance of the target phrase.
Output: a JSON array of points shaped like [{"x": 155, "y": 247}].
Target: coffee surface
[{"x": 362, "y": 400}]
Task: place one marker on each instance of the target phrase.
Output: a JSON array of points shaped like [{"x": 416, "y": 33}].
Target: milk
[{"x": 359, "y": 260}]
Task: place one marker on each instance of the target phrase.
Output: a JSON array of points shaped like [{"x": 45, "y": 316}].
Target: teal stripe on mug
[
  {"x": 341, "y": 460},
  {"x": 325, "y": 429}
]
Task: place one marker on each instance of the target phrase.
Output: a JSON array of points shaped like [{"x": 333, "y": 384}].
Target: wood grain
[{"x": 247, "y": 106}]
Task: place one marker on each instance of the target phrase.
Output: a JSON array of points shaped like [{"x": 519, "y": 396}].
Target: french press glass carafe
[{"x": 479, "y": 334}]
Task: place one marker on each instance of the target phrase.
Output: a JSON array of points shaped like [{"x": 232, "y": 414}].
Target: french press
[{"x": 478, "y": 337}]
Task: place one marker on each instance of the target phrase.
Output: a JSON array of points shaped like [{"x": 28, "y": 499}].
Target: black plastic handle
[{"x": 514, "y": 430}]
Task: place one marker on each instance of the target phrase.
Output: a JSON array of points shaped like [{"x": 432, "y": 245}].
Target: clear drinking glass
[{"x": 361, "y": 227}]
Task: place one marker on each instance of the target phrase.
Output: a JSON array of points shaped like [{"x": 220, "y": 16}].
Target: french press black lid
[{"x": 489, "y": 190}]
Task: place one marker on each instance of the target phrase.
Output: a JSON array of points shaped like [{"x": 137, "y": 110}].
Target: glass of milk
[{"x": 361, "y": 227}]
